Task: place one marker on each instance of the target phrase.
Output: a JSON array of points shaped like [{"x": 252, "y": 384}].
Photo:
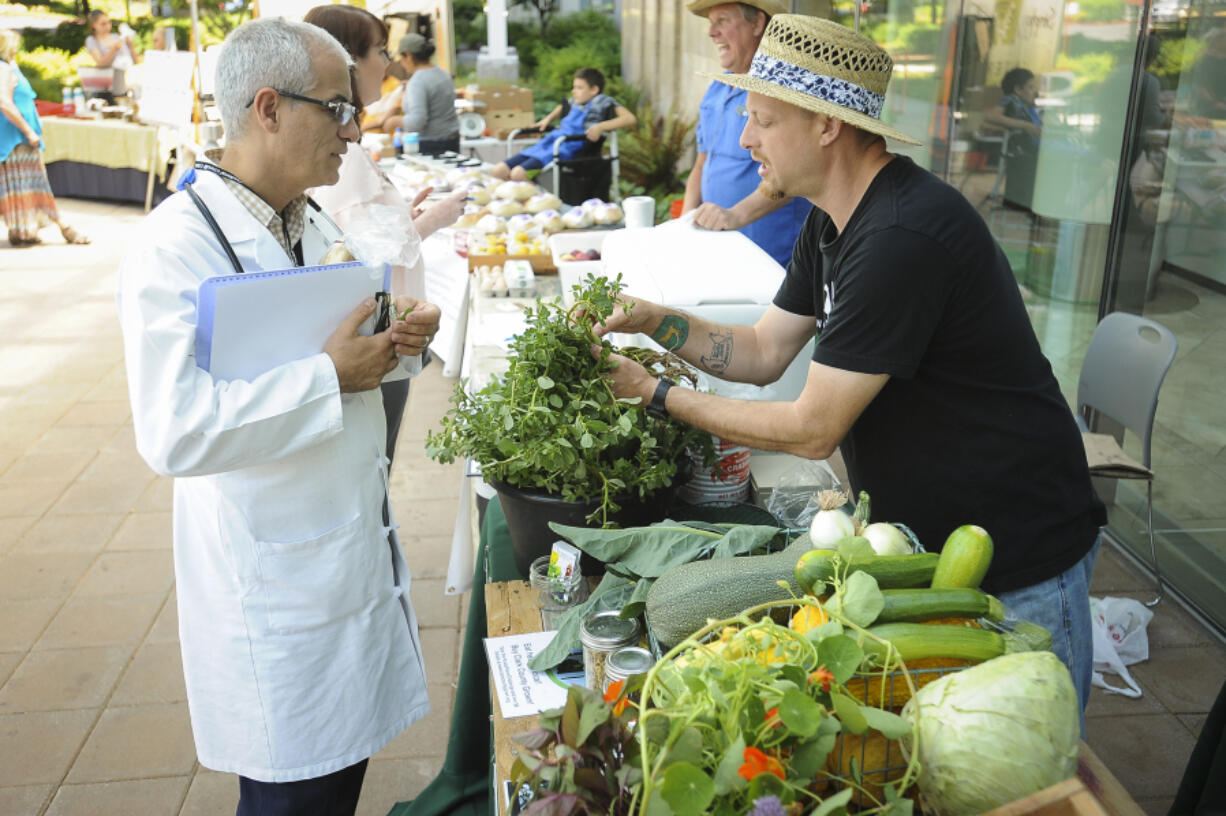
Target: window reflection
[{"x": 1103, "y": 177}]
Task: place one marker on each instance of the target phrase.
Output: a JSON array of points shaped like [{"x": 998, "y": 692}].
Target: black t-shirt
[{"x": 971, "y": 427}]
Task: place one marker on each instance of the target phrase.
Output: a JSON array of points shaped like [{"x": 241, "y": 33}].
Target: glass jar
[
  {"x": 627, "y": 662},
  {"x": 556, "y": 595},
  {"x": 601, "y": 634}
]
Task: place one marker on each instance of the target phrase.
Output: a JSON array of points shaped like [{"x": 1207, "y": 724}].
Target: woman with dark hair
[
  {"x": 362, "y": 184},
  {"x": 1017, "y": 112},
  {"x": 429, "y": 97}
]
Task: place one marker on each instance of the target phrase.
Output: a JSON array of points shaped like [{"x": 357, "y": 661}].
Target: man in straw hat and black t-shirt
[
  {"x": 926, "y": 371},
  {"x": 723, "y": 185}
]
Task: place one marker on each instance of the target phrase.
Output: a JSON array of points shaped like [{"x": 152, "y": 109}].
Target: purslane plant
[{"x": 552, "y": 423}]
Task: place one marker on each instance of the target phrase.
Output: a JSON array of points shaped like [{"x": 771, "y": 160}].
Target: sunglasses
[{"x": 342, "y": 112}]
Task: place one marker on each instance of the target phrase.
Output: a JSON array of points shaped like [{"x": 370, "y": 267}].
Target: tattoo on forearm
[
  {"x": 721, "y": 352},
  {"x": 672, "y": 332}
]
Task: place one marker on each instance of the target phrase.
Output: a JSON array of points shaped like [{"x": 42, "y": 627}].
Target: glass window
[{"x": 1097, "y": 157}]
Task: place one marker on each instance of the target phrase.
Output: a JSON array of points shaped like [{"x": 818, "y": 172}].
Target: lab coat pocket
[{"x": 319, "y": 581}]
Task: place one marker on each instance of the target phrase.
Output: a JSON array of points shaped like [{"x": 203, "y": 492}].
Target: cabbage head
[{"x": 994, "y": 733}]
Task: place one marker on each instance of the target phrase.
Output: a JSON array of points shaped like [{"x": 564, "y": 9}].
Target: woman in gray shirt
[{"x": 429, "y": 98}]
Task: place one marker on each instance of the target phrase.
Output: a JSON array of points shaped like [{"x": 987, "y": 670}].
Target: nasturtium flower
[
  {"x": 821, "y": 676},
  {"x": 759, "y": 762},
  {"x": 612, "y": 693}
]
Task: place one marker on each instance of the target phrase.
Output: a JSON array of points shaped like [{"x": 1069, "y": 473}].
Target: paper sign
[{"x": 523, "y": 692}]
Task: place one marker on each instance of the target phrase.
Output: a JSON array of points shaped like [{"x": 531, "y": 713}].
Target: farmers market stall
[{"x": 105, "y": 158}]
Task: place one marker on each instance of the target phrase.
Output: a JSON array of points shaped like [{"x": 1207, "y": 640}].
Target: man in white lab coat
[{"x": 300, "y": 648}]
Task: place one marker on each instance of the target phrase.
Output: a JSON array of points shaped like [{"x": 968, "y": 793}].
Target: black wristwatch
[{"x": 656, "y": 406}]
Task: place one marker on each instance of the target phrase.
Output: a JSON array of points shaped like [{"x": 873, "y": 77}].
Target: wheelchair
[{"x": 592, "y": 173}]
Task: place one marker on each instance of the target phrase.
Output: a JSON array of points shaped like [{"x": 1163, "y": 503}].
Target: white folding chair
[{"x": 1120, "y": 377}]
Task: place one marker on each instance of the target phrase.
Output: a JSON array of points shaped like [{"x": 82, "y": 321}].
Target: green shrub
[
  {"x": 48, "y": 70},
  {"x": 469, "y": 23},
  {"x": 920, "y": 38},
  {"x": 650, "y": 152},
  {"x": 67, "y": 36},
  {"x": 1100, "y": 10}
]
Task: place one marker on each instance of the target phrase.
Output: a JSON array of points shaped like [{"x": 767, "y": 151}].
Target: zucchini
[
  {"x": 965, "y": 558},
  {"x": 914, "y": 641},
  {"x": 817, "y": 568},
  {"x": 682, "y": 600},
  {"x": 930, "y": 604}
]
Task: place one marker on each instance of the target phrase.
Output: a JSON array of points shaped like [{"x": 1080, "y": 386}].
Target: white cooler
[{"x": 720, "y": 276}]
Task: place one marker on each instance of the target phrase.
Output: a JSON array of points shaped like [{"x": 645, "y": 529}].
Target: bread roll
[
  {"x": 542, "y": 202},
  {"x": 577, "y": 218},
  {"x": 505, "y": 209}
]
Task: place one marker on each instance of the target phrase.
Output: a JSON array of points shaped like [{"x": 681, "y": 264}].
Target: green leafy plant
[
  {"x": 553, "y": 423},
  {"x": 582, "y": 758},
  {"x": 48, "y": 70},
  {"x": 651, "y": 151}
]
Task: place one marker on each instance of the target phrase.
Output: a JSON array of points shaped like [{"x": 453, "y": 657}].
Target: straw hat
[
  {"x": 824, "y": 67},
  {"x": 771, "y": 7}
]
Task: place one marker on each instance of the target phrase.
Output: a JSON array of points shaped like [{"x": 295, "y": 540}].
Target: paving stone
[
  {"x": 144, "y": 531},
  {"x": 1185, "y": 679},
  {"x": 38, "y": 747},
  {"x": 158, "y": 496},
  {"x": 137, "y": 742},
  {"x": 433, "y": 608},
  {"x": 389, "y": 781},
  {"x": 103, "y": 414},
  {"x": 166, "y": 627},
  {"x": 57, "y": 533},
  {"x": 104, "y": 621},
  {"x": 1104, "y": 704},
  {"x": 440, "y": 648},
  {"x": 147, "y": 797},
  {"x": 428, "y": 556},
  {"x": 30, "y": 497},
  {"x": 128, "y": 573},
  {"x": 1171, "y": 624},
  {"x": 8, "y": 663},
  {"x": 211, "y": 793},
  {"x": 57, "y": 679},
  {"x": 50, "y": 465},
  {"x": 25, "y": 799},
  {"x": 419, "y": 739},
  {"x": 1113, "y": 575},
  {"x": 21, "y": 622},
  {"x": 154, "y": 676},
  {"x": 1146, "y": 753},
  {"x": 41, "y": 575},
  {"x": 1195, "y": 723},
  {"x": 12, "y": 529},
  {"x": 102, "y": 495},
  {"x": 436, "y": 517}
]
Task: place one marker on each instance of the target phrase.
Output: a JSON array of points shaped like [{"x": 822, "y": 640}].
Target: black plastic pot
[{"x": 528, "y": 513}]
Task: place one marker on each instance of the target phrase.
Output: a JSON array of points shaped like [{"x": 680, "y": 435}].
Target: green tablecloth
[{"x": 464, "y": 786}]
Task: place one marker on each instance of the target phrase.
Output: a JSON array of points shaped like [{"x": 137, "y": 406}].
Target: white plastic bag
[{"x": 1120, "y": 640}]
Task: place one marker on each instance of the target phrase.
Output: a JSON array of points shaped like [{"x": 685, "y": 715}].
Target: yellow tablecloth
[{"x": 107, "y": 143}]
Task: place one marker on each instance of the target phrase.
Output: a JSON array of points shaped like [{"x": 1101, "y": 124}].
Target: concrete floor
[{"x": 92, "y": 712}]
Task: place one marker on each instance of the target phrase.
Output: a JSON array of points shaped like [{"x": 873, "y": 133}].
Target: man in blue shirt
[{"x": 723, "y": 186}]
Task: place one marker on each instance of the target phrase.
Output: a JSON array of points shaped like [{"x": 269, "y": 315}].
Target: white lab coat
[{"x": 300, "y": 647}]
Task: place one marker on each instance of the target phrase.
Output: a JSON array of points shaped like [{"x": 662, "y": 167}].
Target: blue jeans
[{"x": 1061, "y": 605}]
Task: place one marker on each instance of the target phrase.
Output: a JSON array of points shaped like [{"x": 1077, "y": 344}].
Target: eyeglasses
[{"x": 342, "y": 112}]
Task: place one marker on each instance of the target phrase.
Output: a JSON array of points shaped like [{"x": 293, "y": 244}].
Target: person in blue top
[
  {"x": 723, "y": 188},
  {"x": 1018, "y": 113},
  {"x": 589, "y": 112},
  {"x": 26, "y": 202}
]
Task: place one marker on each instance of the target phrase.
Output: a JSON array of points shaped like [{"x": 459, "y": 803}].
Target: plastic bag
[
  {"x": 794, "y": 498},
  {"x": 381, "y": 233},
  {"x": 1120, "y": 640}
]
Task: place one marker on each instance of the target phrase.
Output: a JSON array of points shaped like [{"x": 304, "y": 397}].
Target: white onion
[{"x": 887, "y": 539}]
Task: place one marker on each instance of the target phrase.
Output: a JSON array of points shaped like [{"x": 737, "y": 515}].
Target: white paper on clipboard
[{"x": 251, "y": 323}]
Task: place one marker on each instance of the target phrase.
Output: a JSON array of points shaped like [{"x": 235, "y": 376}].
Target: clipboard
[{"x": 251, "y": 323}]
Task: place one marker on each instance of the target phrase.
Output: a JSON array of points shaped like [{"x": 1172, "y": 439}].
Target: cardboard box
[
  {"x": 541, "y": 264},
  {"x": 500, "y": 123},
  {"x": 503, "y": 97}
]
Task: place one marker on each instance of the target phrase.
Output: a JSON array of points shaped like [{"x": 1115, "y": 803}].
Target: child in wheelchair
[{"x": 589, "y": 112}]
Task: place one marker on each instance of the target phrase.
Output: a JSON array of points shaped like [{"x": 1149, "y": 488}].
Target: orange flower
[
  {"x": 822, "y": 676},
  {"x": 757, "y": 762},
  {"x": 612, "y": 693},
  {"x": 772, "y": 717}
]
